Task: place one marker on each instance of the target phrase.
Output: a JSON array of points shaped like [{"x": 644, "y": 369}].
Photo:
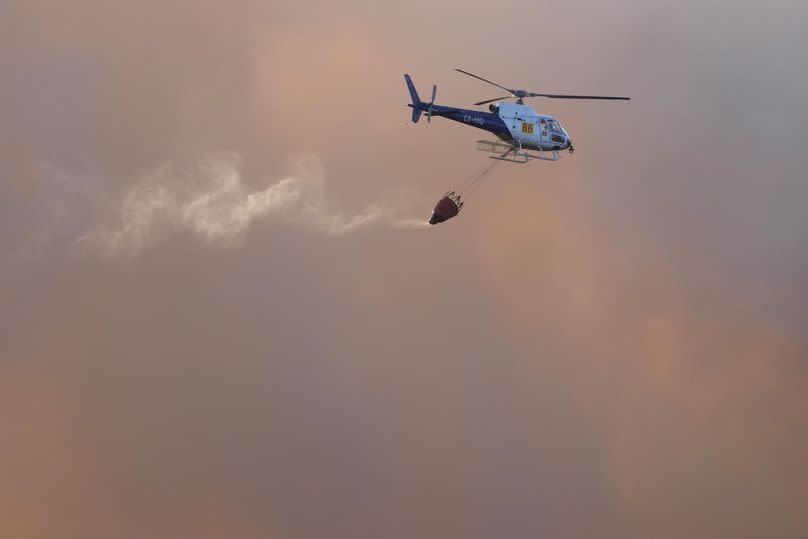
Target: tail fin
[{"x": 416, "y": 101}]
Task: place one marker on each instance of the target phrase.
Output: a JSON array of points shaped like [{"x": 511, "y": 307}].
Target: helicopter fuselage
[{"x": 515, "y": 123}]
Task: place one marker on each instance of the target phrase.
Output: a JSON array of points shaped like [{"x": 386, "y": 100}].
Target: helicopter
[{"x": 522, "y": 133}]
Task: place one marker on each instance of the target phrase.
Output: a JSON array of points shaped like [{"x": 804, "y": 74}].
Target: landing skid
[{"x": 514, "y": 152}]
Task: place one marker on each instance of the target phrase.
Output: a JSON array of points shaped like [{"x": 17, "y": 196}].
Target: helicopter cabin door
[
  {"x": 544, "y": 130},
  {"x": 526, "y": 126}
]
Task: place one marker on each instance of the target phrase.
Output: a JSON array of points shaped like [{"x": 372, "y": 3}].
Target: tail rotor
[
  {"x": 417, "y": 105},
  {"x": 431, "y": 103}
]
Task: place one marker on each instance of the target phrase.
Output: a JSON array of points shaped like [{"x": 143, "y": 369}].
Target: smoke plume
[{"x": 210, "y": 199}]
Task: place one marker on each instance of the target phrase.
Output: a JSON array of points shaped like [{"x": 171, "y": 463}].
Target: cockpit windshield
[{"x": 554, "y": 127}]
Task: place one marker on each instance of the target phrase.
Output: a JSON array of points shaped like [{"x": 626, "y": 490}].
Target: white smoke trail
[{"x": 211, "y": 200}]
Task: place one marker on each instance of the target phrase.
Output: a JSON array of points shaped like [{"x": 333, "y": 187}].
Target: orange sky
[{"x": 608, "y": 346}]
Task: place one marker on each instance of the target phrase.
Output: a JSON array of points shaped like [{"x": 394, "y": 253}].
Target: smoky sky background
[{"x": 613, "y": 345}]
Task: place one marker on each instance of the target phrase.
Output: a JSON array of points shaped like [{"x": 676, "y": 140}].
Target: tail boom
[{"x": 487, "y": 121}]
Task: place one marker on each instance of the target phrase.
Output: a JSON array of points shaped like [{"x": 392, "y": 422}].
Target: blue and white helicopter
[{"x": 522, "y": 133}]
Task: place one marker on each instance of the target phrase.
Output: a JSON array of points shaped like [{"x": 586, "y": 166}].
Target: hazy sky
[{"x": 220, "y": 319}]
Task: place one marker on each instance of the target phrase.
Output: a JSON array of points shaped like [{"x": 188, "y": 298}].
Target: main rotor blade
[
  {"x": 492, "y": 100},
  {"x": 562, "y": 96},
  {"x": 484, "y": 80}
]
